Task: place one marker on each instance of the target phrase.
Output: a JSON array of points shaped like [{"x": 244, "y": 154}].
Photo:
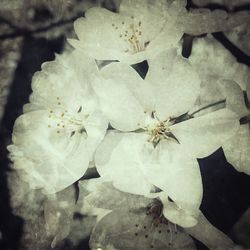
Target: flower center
[
  {"x": 159, "y": 130},
  {"x": 132, "y": 34},
  {"x": 155, "y": 224},
  {"x": 64, "y": 121}
]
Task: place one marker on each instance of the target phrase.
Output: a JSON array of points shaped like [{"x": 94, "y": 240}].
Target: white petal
[
  {"x": 170, "y": 169},
  {"x": 95, "y": 32},
  {"x": 201, "y": 136},
  {"x": 117, "y": 160},
  {"x": 214, "y": 92},
  {"x": 206, "y": 233},
  {"x": 210, "y": 58},
  {"x": 237, "y": 149},
  {"x": 176, "y": 215},
  {"x": 96, "y": 126},
  {"x": 200, "y": 21},
  {"x": 177, "y": 84},
  {"x": 133, "y": 229},
  {"x": 136, "y": 33},
  {"x": 159, "y": 26},
  {"x": 105, "y": 195},
  {"x": 54, "y": 160},
  {"x": 119, "y": 104},
  {"x": 65, "y": 78},
  {"x": 234, "y": 97}
]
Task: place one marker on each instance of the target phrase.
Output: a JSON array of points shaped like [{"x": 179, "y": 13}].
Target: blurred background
[{"x": 31, "y": 32}]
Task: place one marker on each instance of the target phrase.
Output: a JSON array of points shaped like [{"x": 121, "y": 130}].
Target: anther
[{"x": 80, "y": 109}]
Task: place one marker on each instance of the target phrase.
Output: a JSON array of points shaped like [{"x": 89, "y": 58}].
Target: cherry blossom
[
  {"x": 152, "y": 142},
  {"x": 54, "y": 140}
]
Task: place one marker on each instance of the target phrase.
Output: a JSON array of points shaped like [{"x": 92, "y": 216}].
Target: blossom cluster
[{"x": 91, "y": 108}]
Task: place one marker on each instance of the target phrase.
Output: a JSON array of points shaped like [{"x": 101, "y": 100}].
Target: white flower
[
  {"x": 210, "y": 59},
  {"x": 141, "y": 224},
  {"x": 134, "y": 219},
  {"x": 151, "y": 145},
  {"x": 201, "y": 20},
  {"x": 141, "y": 30},
  {"x": 144, "y": 28},
  {"x": 54, "y": 140}
]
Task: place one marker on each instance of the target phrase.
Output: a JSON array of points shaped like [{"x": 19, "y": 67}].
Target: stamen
[
  {"x": 62, "y": 121},
  {"x": 133, "y": 34}
]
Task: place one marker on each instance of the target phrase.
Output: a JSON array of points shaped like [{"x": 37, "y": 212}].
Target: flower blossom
[
  {"x": 139, "y": 31},
  {"x": 54, "y": 140},
  {"x": 209, "y": 58},
  {"x": 143, "y": 29},
  {"x": 134, "y": 221},
  {"x": 153, "y": 143}
]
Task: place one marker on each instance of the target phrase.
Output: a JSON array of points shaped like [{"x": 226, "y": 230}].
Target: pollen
[
  {"x": 64, "y": 121},
  {"x": 130, "y": 31},
  {"x": 159, "y": 130}
]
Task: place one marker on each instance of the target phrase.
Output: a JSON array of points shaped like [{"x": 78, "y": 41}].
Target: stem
[{"x": 208, "y": 106}]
